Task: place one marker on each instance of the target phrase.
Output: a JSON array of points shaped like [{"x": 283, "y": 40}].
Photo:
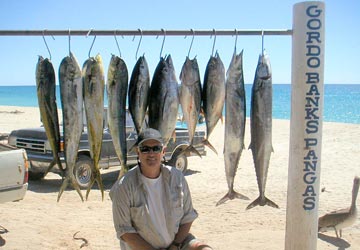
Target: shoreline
[{"x": 31, "y": 117}]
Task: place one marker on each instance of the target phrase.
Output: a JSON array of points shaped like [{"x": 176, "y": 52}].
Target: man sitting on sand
[{"x": 152, "y": 206}]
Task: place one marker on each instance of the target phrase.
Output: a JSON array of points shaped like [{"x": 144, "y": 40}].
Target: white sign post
[{"x": 307, "y": 98}]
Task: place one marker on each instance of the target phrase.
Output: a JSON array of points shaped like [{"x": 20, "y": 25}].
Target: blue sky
[{"x": 19, "y": 54}]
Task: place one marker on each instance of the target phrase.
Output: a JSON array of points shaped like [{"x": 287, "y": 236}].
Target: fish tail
[
  {"x": 208, "y": 144},
  {"x": 63, "y": 187},
  {"x": 92, "y": 181},
  {"x": 66, "y": 183},
  {"x": 191, "y": 148},
  {"x": 133, "y": 148},
  {"x": 51, "y": 165},
  {"x": 262, "y": 201},
  {"x": 230, "y": 196},
  {"x": 96, "y": 178},
  {"x": 77, "y": 188},
  {"x": 123, "y": 171}
]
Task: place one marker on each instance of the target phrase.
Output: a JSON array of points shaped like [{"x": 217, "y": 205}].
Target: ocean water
[{"x": 341, "y": 101}]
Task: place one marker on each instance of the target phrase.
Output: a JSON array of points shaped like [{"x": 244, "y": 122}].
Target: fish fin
[
  {"x": 262, "y": 201},
  {"x": 191, "y": 148},
  {"x": 207, "y": 143},
  {"x": 222, "y": 119},
  {"x": 124, "y": 169},
  {"x": 62, "y": 188},
  {"x": 230, "y": 196},
  {"x": 52, "y": 164},
  {"x": 174, "y": 135},
  {"x": 132, "y": 148},
  {"x": 96, "y": 178},
  {"x": 65, "y": 184},
  {"x": 92, "y": 181}
]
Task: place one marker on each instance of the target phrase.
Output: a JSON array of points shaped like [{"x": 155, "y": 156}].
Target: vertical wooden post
[{"x": 307, "y": 98}]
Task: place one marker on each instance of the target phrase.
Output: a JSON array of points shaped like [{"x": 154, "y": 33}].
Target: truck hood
[{"x": 38, "y": 133}]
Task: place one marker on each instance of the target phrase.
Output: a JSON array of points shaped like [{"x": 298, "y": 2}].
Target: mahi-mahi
[
  {"x": 46, "y": 93},
  {"x": 71, "y": 93},
  {"x": 94, "y": 87},
  {"x": 117, "y": 84}
]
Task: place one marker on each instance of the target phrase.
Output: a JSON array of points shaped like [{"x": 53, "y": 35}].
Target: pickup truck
[
  {"x": 13, "y": 173},
  {"x": 36, "y": 144}
]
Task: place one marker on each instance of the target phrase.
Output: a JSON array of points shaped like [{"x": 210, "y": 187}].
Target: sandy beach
[{"x": 39, "y": 222}]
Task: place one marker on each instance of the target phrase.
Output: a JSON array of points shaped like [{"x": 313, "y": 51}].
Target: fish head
[
  {"x": 263, "y": 70},
  {"x": 235, "y": 68},
  {"x": 189, "y": 74}
]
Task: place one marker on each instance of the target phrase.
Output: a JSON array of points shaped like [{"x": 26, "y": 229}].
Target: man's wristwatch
[{"x": 175, "y": 244}]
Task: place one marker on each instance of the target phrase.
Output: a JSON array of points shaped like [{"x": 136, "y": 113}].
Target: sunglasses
[{"x": 146, "y": 149}]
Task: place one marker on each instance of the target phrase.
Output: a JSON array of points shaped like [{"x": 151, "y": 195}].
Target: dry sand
[{"x": 39, "y": 222}]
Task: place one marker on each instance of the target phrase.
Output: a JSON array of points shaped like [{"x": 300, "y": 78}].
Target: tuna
[
  {"x": 71, "y": 93},
  {"x": 46, "y": 93},
  {"x": 261, "y": 127},
  {"x": 213, "y": 95},
  {"x": 164, "y": 99},
  {"x": 94, "y": 85},
  {"x": 190, "y": 98},
  {"x": 139, "y": 87},
  {"x": 117, "y": 84},
  {"x": 235, "y": 118}
]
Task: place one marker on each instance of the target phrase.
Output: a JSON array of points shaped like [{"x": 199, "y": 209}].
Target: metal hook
[
  {"x": 141, "y": 34},
  {"x": 92, "y": 41},
  {"x": 236, "y": 36},
  {"x": 117, "y": 44},
  {"x": 192, "y": 40},
  {"x": 47, "y": 47},
  {"x": 162, "y": 46},
  {"x": 212, "y": 53},
  {"x": 69, "y": 43}
]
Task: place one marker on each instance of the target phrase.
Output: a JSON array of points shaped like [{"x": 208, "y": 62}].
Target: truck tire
[
  {"x": 179, "y": 161},
  {"x": 83, "y": 171},
  {"x": 36, "y": 176}
]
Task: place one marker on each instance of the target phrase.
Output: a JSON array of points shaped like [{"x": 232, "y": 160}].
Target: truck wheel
[
  {"x": 83, "y": 170},
  {"x": 179, "y": 161}
]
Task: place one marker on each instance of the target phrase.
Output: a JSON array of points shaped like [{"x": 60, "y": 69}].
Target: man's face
[{"x": 151, "y": 153}]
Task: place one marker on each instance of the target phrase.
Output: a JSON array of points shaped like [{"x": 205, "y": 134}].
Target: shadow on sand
[
  {"x": 53, "y": 183},
  {"x": 337, "y": 242}
]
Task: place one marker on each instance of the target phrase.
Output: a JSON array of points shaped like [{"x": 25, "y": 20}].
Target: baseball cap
[{"x": 149, "y": 134}]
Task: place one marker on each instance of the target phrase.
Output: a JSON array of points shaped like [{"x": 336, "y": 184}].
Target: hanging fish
[
  {"x": 71, "y": 93},
  {"x": 46, "y": 93},
  {"x": 94, "y": 85},
  {"x": 190, "y": 98},
  {"x": 117, "y": 84},
  {"x": 235, "y": 118},
  {"x": 139, "y": 92},
  {"x": 213, "y": 95},
  {"x": 261, "y": 127},
  {"x": 164, "y": 99}
]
